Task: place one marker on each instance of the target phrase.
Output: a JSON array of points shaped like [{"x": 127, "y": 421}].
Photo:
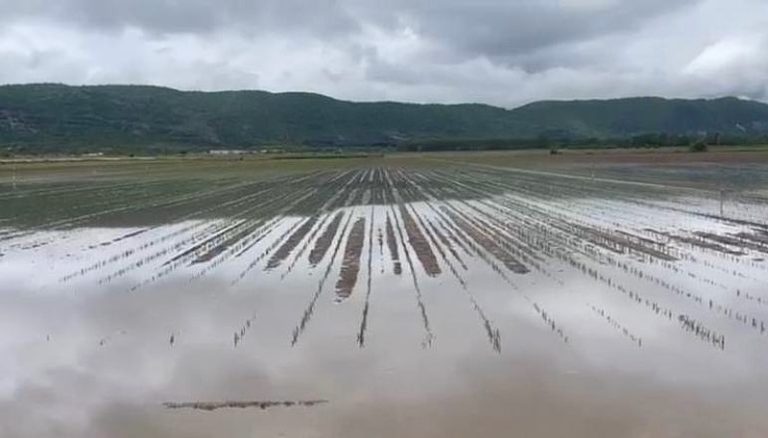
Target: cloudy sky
[{"x": 503, "y": 52}]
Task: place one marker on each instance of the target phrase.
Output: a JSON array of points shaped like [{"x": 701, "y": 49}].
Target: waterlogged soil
[{"x": 419, "y": 296}]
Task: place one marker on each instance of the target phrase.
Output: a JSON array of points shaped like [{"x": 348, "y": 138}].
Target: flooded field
[{"x": 431, "y": 295}]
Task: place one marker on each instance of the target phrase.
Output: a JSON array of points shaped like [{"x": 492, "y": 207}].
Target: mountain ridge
[{"x": 51, "y": 116}]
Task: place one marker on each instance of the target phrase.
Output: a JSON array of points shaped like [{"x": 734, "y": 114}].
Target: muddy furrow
[
  {"x": 212, "y": 406},
  {"x": 429, "y": 336},
  {"x": 253, "y": 238},
  {"x": 218, "y": 233},
  {"x": 290, "y": 243},
  {"x": 323, "y": 243},
  {"x": 380, "y": 239},
  {"x": 154, "y": 202},
  {"x": 212, "y": 243},
  {"x": 177, "y": 260},
  {"x": 392, "y": 246},
  {"x": 231, "y": 240},
  {"x": 393, "y": 194},
  {"x": 303, "y": 249},
  {"x": 309, "y": 311},
  {"x": 428, "y": 196},
  {"x": 350, "y": 266},
  {"x": 475, "y": 238},
  {"x": 268, "y": 250},
  {"x": 368, "y": 288},
  {"x": 420, "y": 244},
  {"x": 319, "y": 226},
  {"x": 487, "y": 242},
  {"x": 494, "y": 335},
  {"x": 643, "y": 275}
]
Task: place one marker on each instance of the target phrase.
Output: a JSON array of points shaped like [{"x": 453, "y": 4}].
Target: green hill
[
  {"x": 58, "y": 117},
  {"x": 642, "y": 115}
]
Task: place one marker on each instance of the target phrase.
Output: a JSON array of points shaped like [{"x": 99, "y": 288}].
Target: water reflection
[{"x": 73, "y": 385}]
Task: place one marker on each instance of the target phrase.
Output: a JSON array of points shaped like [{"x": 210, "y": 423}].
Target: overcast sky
[{"x": 493, "y": 51}]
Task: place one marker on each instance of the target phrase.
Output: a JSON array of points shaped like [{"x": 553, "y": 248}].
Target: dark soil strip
[
  {"x": 478, "y": 248},
  {"x": 307, "y": 316},
  {"x": 212, "y": 406},
  {"x": 324, "y": 241},
  {"x": 429, "y": 337},
  {"x": 224, "y": 245},
  {"x": 738, "y": 241},
  {"x": 702, "y": 243},
  {"x": 209, "y": 240},
  {"x": 432, "y": 229},
  {"x": 380, "y": 236},
  {"x": 364, "y": 322},
  {"x": 487, "y": 242},
  {"x": 267, "y": 251},
  {"x": 350, "y": 266},
  {"x": 392, "y": 245},
  {"x": 290, "y": 244},
  {"x": 309, "y": 240},
  {"x": 420, "y": 244},
  {"x": 447, "y": 243},
  {"x": 494, "y": 335},
  {"x": 200, "y": 240}
]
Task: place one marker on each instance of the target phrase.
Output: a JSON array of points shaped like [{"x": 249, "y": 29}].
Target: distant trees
[
  {"x": 699, "y": 146},
  {"x": 660, "y": 140}
]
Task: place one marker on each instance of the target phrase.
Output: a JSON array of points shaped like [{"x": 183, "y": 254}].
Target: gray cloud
[
  {"x": 489, "y": 27},
  {"x": 188, "y": 16},
  {"x": 499, "y": 52},
  {"x": 502, "y": 28}
]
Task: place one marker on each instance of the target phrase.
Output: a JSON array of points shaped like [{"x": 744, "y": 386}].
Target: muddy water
[{"x": 418, "y": 302}]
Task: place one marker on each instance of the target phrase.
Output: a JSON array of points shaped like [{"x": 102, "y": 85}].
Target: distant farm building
[{"x": 227, "y": 152}]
